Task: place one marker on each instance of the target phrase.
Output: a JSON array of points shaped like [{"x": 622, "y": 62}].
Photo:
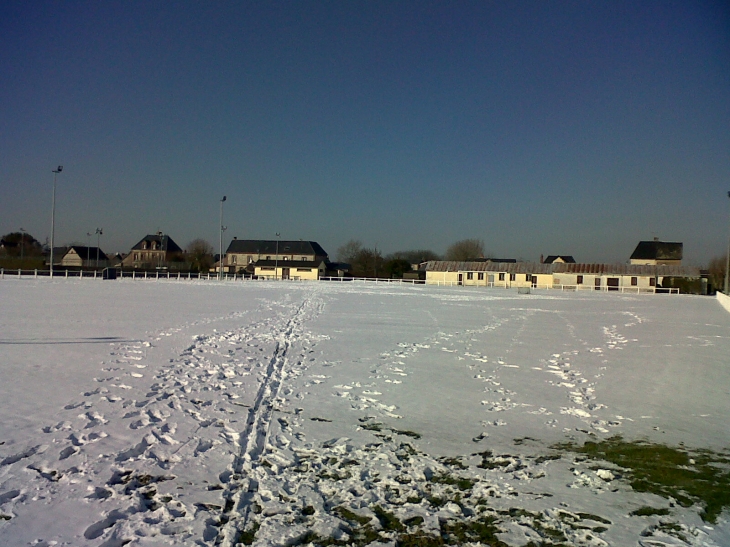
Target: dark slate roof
[
  {"x": 559, "y": 267},
  {"x": 86, "y": 253},
  {"x": 566, "y": 258},
  {"x": 261, "y": 246},
  {"x": 291, "y": 263},
  {"x": 657, "y": 250},
  {"x": 166, "y": 244}
]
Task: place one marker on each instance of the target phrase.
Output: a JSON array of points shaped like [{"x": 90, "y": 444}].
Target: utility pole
[
  {"x": 98, "y": 235},
  {"x": 220, "y": 247},
  {"x": 727, "y": 263},
  {"x": 276, "y": 258},
  {"x": 53, "y": 213}
]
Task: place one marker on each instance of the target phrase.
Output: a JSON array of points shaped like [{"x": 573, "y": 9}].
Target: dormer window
[{"x": 144, "y": 245}]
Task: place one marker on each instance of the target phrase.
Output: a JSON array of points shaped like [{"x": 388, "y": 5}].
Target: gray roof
[
  {"x": 657, "y": 250},
  {"x": 166, "y": 244},
  {"x": 559, "y": 267},
  {"x": 261, "y": 246}
]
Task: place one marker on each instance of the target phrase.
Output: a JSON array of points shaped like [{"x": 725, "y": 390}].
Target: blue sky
[{"x": 539, "y": 127}]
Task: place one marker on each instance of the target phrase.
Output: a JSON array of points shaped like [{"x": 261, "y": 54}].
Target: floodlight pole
[
  {"x": 53, "y": 213},
  {"x": 22, "y": 240},
  {"x": 98, "y": 235},
  {"x": 220, "y": 246},
  {"x": 727, "y": 263},
  {"x": 276, "y": 258},
  {"x": 88, "y": 250}
]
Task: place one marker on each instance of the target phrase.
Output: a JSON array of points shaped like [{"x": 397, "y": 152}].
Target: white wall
[{"x": 724, "y": 300}]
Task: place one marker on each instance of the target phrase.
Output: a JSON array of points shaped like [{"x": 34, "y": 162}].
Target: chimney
[
  {"x": 542, "y": 259},
  {"x": 656, "y": 238}
]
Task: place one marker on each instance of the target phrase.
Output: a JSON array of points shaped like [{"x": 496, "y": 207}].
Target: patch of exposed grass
[
  {"x": 316, "y": 419},
  {"x": 483, "y": 531},
  {"x": 688, "y": 476},
  {"x": 407, "y": 433},
  {"x": 388, "y": 521},
  {"x": 345, "y": 514},
  {"x": 459, "y": 482},
  {"x": 247, "y": 537},
  {"x": 453, "y": 462},
  {"x": 649, "y": 511}
]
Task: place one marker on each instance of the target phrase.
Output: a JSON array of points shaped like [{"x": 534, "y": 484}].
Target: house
[
  {"x": 565, "y": 259},
  {"x": 153, "y": 251},
  {"x": 298, "y": 270},
  {"x": 558, "y": 275},
  {"x": 657, "y": 253},
  {"x": 242, "y": 254},
  {"x": 78, "y": 256}
]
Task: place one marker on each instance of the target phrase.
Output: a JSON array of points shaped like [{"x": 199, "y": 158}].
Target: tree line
[{"x": 369, "y": 262}]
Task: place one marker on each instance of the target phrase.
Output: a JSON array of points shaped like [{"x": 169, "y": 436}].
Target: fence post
[
  {"x": 35, "y": 273},
  {"x": 18, "y": 272},
  {"x": 66, "y": 273}
]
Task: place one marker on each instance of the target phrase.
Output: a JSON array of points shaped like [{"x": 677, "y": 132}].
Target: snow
[{"x": 182, "y": 413}]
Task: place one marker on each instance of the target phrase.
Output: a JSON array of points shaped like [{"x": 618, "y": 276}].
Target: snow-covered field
[{"x": 186, "y": 413}]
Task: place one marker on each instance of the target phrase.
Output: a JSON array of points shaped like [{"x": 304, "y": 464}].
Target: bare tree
[
  {"x": 348, "y": 251},
  {"x": 466, "y": 249},
  {"x": 200, "y": 255},
  {"x": 414, "y": 257},
  {"x": 367, "y": 263},
  {"x": 716, "y": 271}
]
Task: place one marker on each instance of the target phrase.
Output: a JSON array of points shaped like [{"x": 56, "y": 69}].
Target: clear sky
[{"x": 539, "y": 127}]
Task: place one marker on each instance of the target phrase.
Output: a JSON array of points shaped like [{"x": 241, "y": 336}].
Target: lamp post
[
  {"x": 53, "y": 213},
  {"x": 22, "y": 241},
  {"x": 276, "y": 258},
  {"x": 220, "y": 246},
  {"x": 727, "y": 263},
  {"x": 98, "y": 235},
  {"x": 88, "y": 249}
]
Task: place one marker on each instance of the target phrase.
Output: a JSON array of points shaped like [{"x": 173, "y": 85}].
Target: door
[
  {"x": 461, "y": 279},
  {"x": 598, "y": 283},
  {"x": 612, "y": 283},
  {"x": 285, "y": 273}
]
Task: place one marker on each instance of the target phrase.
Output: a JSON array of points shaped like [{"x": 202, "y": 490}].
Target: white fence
[
  {"x": 573, "y": 288},
  {"x": 189, "y": 276}
]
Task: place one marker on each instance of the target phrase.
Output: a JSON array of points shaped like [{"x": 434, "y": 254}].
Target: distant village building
[
  {"x": 558, "y": 275},
  {"x": 153, "y": 251},
  {"x": 657, "y": 253},
  {"x": 243, "y": 252},
  {"x": 80, "y": 256}
]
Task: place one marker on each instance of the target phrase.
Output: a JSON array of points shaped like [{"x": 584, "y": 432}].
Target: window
[
  {"x": 267, "y": 268},
  {"x": 304, "y": 258},
  {"x": 144, "y": 245},
  {"x": 501, "y": 277},
  {"x": 470, "y": 275},
  {"x": 579, "y": 280},
  {"x": 250, "y": 259},
  {"x": 136, "y": 257},
  {"x": 480, "y": 276},
  {"x": 268, "y": 258},
  {"x": 652, "y": 281},
  {"x": 304, "y": 269},
  {"x": 634, "y": 281},
  {"x": 233, "y": 259},
  {"x": 528, "y": 277},
  {"x": 512, "y": 277}
]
